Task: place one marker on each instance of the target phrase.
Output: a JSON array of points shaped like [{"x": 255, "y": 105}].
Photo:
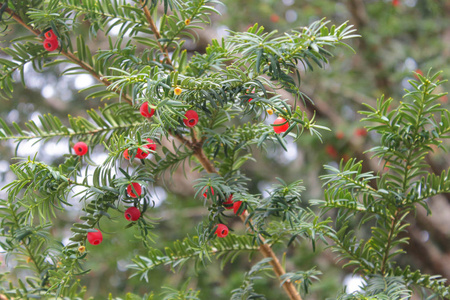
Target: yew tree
[{"x": 162, "y": 110}]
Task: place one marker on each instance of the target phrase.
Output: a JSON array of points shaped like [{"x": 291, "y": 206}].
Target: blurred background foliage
[{"x": 398, "y": 37}]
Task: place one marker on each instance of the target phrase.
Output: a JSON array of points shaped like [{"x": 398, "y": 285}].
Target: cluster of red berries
[
  {"x": 190, "y": 120},
  {"x": 229, "y": 204},
  {"x": 134, "y": 190},
  {"x": 222, "y": 230},
  {"x": 132, "y": 214},
  {"x": 51, "y": 41},
  {"x": 151, "y": 145}
]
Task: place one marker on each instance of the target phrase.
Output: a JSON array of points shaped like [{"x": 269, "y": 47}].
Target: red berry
[
  {"x": 222, "y": 230},
  {"x": 137, "y": 188},
  {"x": 229, "y": 203},
  {"x": 80, "y": 148},
  {"x": 340, "y": 135},
  {"x": 236, "y": 207},
  {"x": 145, "y": 110},
  {"x": 331, "y": 151},
  {"x": 50, "y": 45},
  {"x": 142, "y": 154},
  {"x": 274, "y": 18},
  {"x": 280, "y": 128},
  {"x": 151, "y": 145},
  {"x": 205, "y": 194},
  {"x": 418, "y": 71},
  {"x": 126, "y": 154},
  {"x": 395, "y": 2},
  {"x": 360, "y": 132},
  {"x": 95, "y": 238},
  {"x": 191, "y": 118},
  {"x": 50, "y": 35},
  {"x": 250, "y": 99},
  {"x": 132, "y": 214}
]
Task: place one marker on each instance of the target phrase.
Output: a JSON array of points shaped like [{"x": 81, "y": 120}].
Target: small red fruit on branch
[
  {"x": 132, "y": 214},
  {"x": 222, "y": 230},
  {"x": 205, "y": 194},
  {"x": 50, "y": 45},
  {"x": 50, "y": 35},
  {"x": 229, "y": 203},
  {"x": 280, "y": 128},
  {"x": 126, "y": 154},
  {"x": 191, "y": 118},
  {"x": 236, "y": 207},
  {"x": 80, "y": 148},
  {"x": 142, "y": 154},
  {"x": 418, "y": 71},
  {"x": 274, "y": 18},
  {"x": 331, "y": 151},
  {"x": 250, "y": 99},
  {"x": 151, "y": 145},
  {"x": 95, "y": 238},
  {"x": 145, "y": 110},
  {"x": 360, "y": 132},
  {"x": 137, "y": 188}
]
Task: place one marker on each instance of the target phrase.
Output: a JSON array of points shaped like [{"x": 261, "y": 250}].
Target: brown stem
[
  {"x": 91, "y": 71},
  {"x": 267, "y": 252},
  {"x": 156, "y": 33},
  {"x": 265, "y": 249},
  {"x": 69, "y": 55}
]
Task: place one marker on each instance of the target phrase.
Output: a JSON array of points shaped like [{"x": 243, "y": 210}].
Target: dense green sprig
[{"x": 408, "y": 134}]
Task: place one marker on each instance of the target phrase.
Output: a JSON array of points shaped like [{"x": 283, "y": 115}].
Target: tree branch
[
  {"x": 156, "y": 33},
  {"x": 278, "y": 269},
  {"x": 72, "y": 57},
  {"x": 265, "y": 249}
]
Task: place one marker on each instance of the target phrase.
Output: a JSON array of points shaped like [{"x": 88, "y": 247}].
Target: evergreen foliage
[
  {"x": 239, "y": 77},
  {"x": 407, "y": 133}
]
